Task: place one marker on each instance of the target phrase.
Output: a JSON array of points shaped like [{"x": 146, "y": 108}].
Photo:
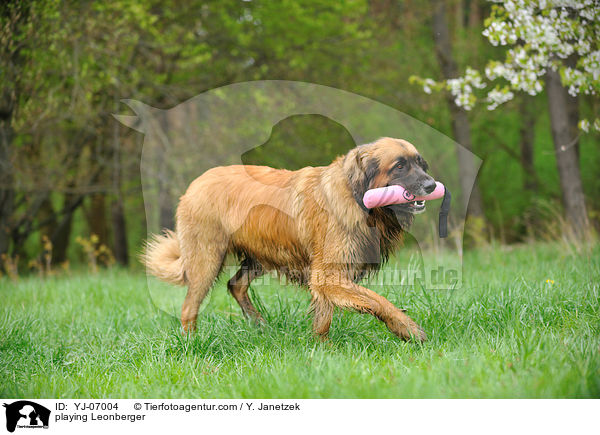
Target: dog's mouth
[{"x": 414, "y": 207}]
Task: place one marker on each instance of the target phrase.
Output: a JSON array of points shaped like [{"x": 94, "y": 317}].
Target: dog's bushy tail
[{"x": 162, "y": 258}]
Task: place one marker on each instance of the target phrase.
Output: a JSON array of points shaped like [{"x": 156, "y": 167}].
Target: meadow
[{"x": 524, "y": 324}]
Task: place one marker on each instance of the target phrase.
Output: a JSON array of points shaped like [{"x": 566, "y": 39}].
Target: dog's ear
[{"x": 361, "y": 169}]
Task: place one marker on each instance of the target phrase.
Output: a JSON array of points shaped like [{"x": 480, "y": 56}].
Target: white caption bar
[{"x": 116, "y": 416}]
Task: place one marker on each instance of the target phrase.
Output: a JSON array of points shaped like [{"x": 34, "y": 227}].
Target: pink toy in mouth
[{"x": 398, "y": 195}]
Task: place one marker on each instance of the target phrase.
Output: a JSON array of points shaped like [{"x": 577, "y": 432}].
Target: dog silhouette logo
[
  {"x": 26, "y": 414},
  {"x": 220, "y": 126},
  {"x": 407, "y": 195}
]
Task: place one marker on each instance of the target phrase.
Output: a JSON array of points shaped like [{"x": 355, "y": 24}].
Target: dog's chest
[{"x": 355, "y": 247}]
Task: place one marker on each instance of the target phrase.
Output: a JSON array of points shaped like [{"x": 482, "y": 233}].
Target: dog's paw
[
  {"x": 408, "y": 330},
  {"x": 418, "y": 335}
]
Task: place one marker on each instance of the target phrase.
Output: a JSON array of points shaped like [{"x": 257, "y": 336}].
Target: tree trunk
[
  {"x": 117, "y": 210},
  {"x": 61, "y": 236},
  {"x": 166, "y": 217},
  {"x": 474, "y": 14},
  {"x": 563, "y": 119},
  {"x": 7, "y": 193},
  {"x": 119, "y": 232},
  {"x": 527, "y": 134},
  {"x": 459, "y": 14},
  {"x": 460, "y": 122},
  {"x": 97, "y": 218},
  {"x": 14, "y": 17}
]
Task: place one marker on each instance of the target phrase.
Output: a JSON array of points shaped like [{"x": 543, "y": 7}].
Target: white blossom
[
  {"x": 584, "y": 125},
  {"x": 428, "y": 84},
  {"x": 541, "y": 35},
  {"x": 496, "y": 97}
]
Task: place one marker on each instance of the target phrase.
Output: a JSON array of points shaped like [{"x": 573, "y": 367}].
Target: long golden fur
[{"x": 309, "y": 225}]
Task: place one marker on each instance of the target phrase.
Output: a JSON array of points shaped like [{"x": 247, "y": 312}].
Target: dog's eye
[{"x": 401, "y": 163}]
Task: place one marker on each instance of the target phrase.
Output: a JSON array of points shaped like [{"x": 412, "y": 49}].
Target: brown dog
[{"x": 310, "y": 225}]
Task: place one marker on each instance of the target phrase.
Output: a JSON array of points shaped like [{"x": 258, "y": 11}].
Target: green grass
[{"x": 507, "y": 333}]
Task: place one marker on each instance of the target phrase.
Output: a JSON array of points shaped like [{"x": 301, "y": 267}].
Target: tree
[
  {"x": 460, "y": 121},
  {"x": 64, "y": 66},
  {"x": 13, "y": 23},
  {"x": 552, "y": 41}
]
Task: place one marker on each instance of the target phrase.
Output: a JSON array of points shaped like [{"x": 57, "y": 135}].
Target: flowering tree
[
  {"x": 541, "y": 35},
  {"x": 551, "y": 42}
]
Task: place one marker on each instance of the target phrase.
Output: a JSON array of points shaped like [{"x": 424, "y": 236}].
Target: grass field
[{"x": 526, "y": 323}]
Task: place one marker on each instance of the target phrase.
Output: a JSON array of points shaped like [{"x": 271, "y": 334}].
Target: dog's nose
[{"x": 429, "y": 186}]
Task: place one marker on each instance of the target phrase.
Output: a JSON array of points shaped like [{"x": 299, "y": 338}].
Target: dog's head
[{"x": 388, "y": 162}]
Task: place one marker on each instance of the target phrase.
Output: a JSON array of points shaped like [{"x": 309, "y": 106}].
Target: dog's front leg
[
  {"x": 322, "y": 310},
  {"x": 342, "y": 292}
]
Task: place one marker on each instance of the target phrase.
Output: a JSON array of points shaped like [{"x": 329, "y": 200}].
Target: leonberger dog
[{"x": 309, "y": 225}]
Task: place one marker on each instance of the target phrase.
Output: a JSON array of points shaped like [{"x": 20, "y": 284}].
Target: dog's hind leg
[
  {"x": 203, "y": 260},
  {"x": 238, "y": 287}
]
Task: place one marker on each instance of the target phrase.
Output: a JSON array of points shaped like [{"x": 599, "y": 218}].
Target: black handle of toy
[{"x": 444, "y": 210}]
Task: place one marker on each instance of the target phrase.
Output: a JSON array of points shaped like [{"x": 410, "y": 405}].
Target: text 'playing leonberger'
[{"x": 309, "y": 225}]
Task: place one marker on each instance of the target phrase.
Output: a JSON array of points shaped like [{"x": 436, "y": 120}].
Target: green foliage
[{"x": 69, "y": 64}]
